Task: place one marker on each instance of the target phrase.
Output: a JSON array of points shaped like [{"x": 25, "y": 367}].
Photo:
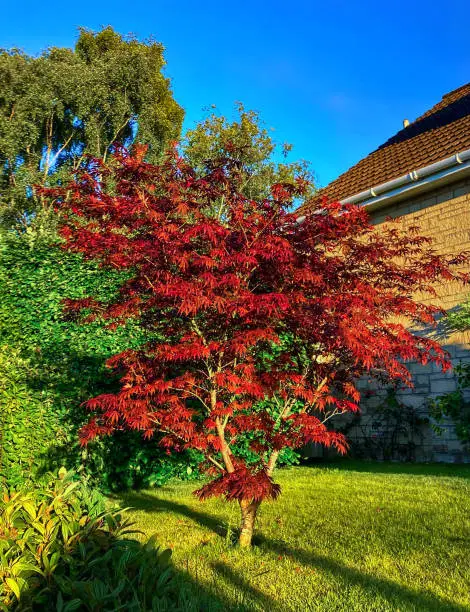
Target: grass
[{"x": 344, "y": 536}]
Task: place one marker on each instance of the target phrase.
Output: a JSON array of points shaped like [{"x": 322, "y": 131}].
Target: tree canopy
[
  {"x": 65, "y": 103},
  {"x": 245, "y": 142},
  {"x": 266, "y": 323}
]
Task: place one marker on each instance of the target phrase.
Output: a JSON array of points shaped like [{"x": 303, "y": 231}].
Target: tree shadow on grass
[
  {"x": 247, "y": 594},
  {"x": 398, "y": 595},
  {"x": 394, "y": 593},
  {"x": 198, "y": 598},
  {"x": 153, "y": 505}
]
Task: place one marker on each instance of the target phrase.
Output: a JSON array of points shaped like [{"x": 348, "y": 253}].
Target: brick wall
[{"x": 444, "y": 215}]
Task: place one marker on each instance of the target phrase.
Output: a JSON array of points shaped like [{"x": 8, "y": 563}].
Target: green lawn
[{"x": 342, "y": 536}]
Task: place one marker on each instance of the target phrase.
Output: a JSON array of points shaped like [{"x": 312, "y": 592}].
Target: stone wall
[{"x": 444, "y": 215}]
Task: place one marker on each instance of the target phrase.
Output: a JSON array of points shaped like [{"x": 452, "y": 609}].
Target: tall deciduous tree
[
  {"x": 245, "y": 141},
  {"x": 253, "y": 306},
  {"x": 64, "y": 103}
]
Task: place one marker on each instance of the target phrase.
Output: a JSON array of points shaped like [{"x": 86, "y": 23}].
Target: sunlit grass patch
[{"x": 346, "y": 536}]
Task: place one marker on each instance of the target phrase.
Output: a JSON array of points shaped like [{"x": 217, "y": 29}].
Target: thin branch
[
  {"x": 77, "y": 161},
  {"x": 173, "y": 433},
  {"x": 194, "y": 394},
  {"x": 149, "y": 282},
  {"x": 196, "y": 328},
  {"x": 216, "y": 463},
  {"x": 317, "y": 390},
  {"x": 332, "y": 414},
  {"x": 61, "y": 149},
  {"x": 115, "y": 136},
  {"x": 275, "y": 454},
  {"x": 222, "y": 202}
]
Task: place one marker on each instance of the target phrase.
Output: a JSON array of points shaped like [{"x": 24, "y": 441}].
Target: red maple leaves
[{"x": 264, "y": 323}]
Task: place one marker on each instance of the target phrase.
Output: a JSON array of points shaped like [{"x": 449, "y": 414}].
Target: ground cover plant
[
  {"x": 264, "y": 323},
  {"x": 360, "y": 536},
  {"x": 61, "y": 549}
]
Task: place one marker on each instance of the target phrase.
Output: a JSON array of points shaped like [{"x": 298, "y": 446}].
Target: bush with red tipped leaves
[{"x": 251, "y": 304}]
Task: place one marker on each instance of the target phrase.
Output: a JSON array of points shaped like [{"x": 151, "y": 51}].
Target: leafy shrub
[
  {"x": 54, "y": 366},
  {"x": 127, "y": 461},
  {"x": 61, "y": 549},
  {"x": 30, "y": 422},
  {"x": 454, "y": 406}
]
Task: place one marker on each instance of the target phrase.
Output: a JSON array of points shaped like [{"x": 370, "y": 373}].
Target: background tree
[
  {"x": 246, "y": 143},
  {"x": 252, "y": 306},
  {"x": 64, "y": 103}
]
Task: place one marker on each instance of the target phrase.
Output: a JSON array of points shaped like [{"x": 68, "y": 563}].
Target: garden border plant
[
  {"x": 455, "y": 406},
  {"x": 61, "y": 547}
]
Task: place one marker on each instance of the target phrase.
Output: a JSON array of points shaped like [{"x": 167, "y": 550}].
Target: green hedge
[{"x": 51, "y": 364}]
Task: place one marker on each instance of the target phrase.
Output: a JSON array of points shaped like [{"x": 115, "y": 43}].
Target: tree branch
[
  {"x": 115, "y": 136},
  {"x": 61, "y": 149},
  {"x": 194, "y": 394}
]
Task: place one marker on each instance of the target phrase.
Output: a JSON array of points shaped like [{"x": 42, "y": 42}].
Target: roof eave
[{"x": 434, "y": 175}]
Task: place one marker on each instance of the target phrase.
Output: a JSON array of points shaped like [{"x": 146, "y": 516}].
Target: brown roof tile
[{"x": 438, "y": 133}]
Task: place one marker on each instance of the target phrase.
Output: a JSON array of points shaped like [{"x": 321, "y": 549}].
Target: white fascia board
[
  {"x": 432, "y": 176},
  {"x": 434, "y": 181}
]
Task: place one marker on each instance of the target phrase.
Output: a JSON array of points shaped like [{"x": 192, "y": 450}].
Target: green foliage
[
  {"x": 64, "y": 103},
  {"x": 248, "y": 143},
  {"x": 61, "y": 549},
  {"x": 245, "y": 446},
  {"x": 51, "y": 364},
  {"x": 459, "y": 319},
  {"x": 287, "y": 456},
  {"x": 30, "y": 423},
  {"x": 128, "y": 461},
  {"x": 455, "y": 406}
]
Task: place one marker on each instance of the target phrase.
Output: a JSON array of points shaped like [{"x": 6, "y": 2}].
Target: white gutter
[
  {"x": 439, "y": 170},
  {"x": 450, "y": 168}
]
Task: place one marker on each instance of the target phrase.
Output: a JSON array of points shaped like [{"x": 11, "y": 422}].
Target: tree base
[{"x": 249, "y": 510}]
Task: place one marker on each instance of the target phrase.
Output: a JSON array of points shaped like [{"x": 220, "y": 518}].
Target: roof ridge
[
  {"x": 454, "y": 91},
  {"x": 453, "y": 97}
]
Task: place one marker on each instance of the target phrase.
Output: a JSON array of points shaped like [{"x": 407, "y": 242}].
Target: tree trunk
[{"x": 249, "y": 510}]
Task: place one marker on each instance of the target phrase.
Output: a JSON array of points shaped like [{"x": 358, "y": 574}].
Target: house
[{"x": 421, "y": 174}]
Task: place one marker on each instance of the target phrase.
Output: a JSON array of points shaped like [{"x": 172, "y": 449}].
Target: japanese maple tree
[{"x": 267, "y": 320}]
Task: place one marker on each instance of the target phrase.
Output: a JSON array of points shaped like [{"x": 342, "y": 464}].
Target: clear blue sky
[{"x": 334, "y": 78}]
